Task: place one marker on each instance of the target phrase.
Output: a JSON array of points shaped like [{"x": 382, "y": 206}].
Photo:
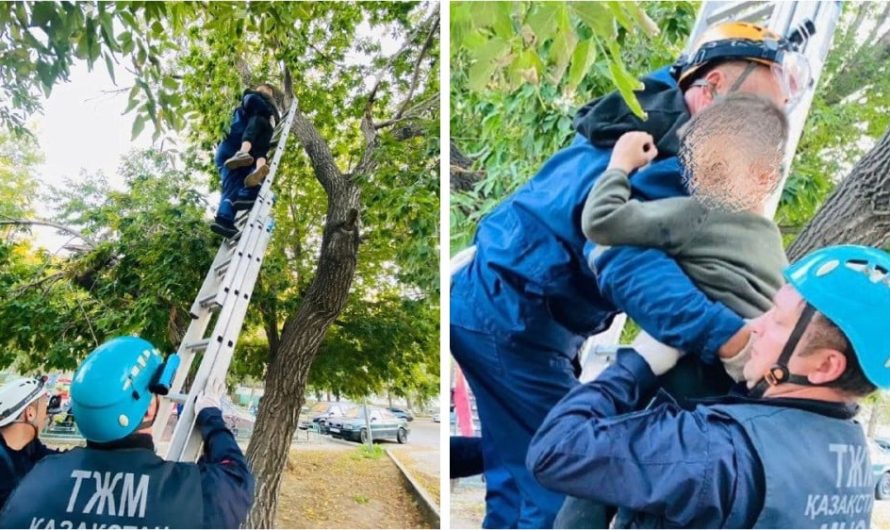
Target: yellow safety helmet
[
  {"x": 726, "y": 41},
  {"x": 744, "y": 41}
]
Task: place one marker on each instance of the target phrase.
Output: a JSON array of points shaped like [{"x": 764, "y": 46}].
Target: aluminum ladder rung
[
  {"x": 223, "y": 267},
  {"x": 196, "y": 346},
  {"x": 177, "y": 397},
  {"x": 208, "y": 301}
]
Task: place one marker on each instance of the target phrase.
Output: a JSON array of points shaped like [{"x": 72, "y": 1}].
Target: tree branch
[
  {"x": 413, "y": 113},
  {"x": 415, "y": 79},
  {"x": 40, "y": 222},
  {"x": 369, "y": 129},
  {"x": 51, "y": 278}
]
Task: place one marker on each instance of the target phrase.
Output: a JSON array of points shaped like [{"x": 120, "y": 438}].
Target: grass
[{"x": 375, "y": 452}]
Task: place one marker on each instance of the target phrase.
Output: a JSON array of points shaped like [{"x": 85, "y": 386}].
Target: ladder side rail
[
  {"x": 229, "y": 321},
  {"x": 200, "y": 319},
  {"x": 222, "y": 330},
  {"x": 826, "y": 16},
  {"x": 226, "y": 350}
]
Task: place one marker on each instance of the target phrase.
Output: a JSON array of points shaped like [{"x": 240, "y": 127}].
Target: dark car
[
  {"x": 318, "y": 416},
  {"x": 384, "y": 424},
  {"x": 401, "y": 413}
]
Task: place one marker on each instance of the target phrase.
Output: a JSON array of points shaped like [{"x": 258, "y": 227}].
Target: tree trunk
[
  {"x": 389, "y": 397},
  {"x": 857, "y": 211},
  {"x": 873, "y": 418},
  {"x": 462, "y": 177},
  {"x": 303, "y": 331},
  {"x": 327, "y": 395}
]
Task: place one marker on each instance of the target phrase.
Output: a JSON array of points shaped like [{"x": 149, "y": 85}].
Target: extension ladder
[
  {"x": 225, "y": 293},
  {"x": 780, "y": 17}
]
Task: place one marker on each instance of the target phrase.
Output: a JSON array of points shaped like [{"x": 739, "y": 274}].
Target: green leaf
[
  {"x": 486, "y": 62},
  {"x": 497, "y": 15},
  {"x": 617, "y": 10},
  {"x": 563, "y": 46},
  {"x": 542, "y": 19},
  {"x": 138, "y": 126},
  {"x": 109, "y": 64},
  {"x": 582, "y": 59},
  {"x": 527, "y": 68},
  {"x": 596, "y": 17},
  {"x": 625, "y": 82}
]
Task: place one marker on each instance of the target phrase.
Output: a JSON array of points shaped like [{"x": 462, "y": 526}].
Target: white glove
[
  {"x": 211, "y": 397},
  {"x": 462, "y": 259},
  {"x": 660, "y": 357},
  {"x": 735, "y": 365}
]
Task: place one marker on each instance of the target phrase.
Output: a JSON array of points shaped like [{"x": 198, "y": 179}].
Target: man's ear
[
  {"x": 827, "y": 365},
  {"x": 152, "y": 408}
]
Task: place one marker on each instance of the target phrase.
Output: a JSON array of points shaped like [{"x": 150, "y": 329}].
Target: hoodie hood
[{"x": 605, "y": 119}]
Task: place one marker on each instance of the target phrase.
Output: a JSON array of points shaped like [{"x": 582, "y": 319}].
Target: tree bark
[
  {"x": 857, "y": 211},
  {"x": 874, "y": 417},
  {"x": 303, "y": 332},
  {"x": 462, "y": 177},
  {"x": 327, "y": 294}
]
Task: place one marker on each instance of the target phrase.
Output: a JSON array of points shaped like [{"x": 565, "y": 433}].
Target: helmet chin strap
[
  {"x": 779, "y": 373},
  {"x": 735, "y": 85}
]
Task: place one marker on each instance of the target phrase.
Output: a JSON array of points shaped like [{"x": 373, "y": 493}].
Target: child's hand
[{"x": 633, "y": 151}]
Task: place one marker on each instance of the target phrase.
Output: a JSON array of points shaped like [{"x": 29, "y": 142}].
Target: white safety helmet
[{"x": 15, "y": 397}]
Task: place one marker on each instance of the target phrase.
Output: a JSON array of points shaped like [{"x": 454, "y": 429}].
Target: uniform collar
[
  {"x": 133, "y": 441},
  {"x": 739, "y": 395}
]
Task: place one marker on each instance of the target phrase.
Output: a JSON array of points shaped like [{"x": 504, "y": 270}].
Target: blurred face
[{"x": 771, "y": 331}]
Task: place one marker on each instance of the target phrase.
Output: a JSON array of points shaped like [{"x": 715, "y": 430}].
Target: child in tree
[
  {"x": 732, "y": 154},
  {"x": 241, "y": 156}
]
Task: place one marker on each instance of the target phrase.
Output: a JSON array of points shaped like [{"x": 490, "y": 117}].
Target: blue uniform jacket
[
  {"x": 691, "y": 467},
  {"x": 226, "y": 482},
  {"x": 530, "y": 280}
]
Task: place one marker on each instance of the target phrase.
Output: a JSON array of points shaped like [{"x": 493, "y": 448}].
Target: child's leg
[{"x": 259, "y": 133}]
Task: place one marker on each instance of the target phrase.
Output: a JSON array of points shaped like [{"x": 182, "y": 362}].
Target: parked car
[
  {"x": 320, "y": 413},
  {"x": 384, "y": 424},
  {"x": 880, "y": 464},
  {"x": 401, "y": 413},
  {"x": 437, "y": 418}
]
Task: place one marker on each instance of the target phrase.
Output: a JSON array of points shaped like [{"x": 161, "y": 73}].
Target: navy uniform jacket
[
  {"x": 687, "y": 468},
  {"x": 123, "y": 483},
  {"x": 252, "y": 104},
  {"x": 530, "y": 280},
  {"x": 14, "y": 465}
]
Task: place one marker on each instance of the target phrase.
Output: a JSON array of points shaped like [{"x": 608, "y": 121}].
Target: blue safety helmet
[
  {"x": 110, "y": 391},
  {"x": 850, "y": 285}
]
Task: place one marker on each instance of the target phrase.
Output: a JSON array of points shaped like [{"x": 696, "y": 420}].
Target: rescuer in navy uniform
[
  {"x": 117, "y": 479},
  {"x": 786, "y": 453}
]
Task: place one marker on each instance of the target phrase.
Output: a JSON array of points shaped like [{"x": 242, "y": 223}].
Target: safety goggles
[{"x": 793, "y": 76}]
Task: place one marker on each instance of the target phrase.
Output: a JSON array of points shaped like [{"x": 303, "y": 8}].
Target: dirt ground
[
  {"x": 423, "y": 466},
  {"x": 343, "y": 489},
  {"x": 880, "y": 517}
]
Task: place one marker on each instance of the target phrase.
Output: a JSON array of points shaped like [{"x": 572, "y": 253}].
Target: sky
[{"x": 81, "y": 128}]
